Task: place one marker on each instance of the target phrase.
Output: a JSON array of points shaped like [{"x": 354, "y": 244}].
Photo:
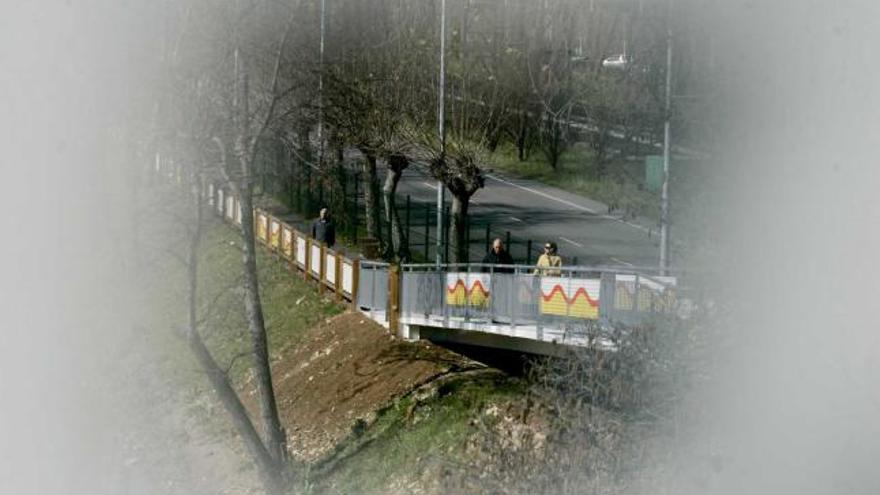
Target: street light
[
  {"x": 321, "y": 92},
  {"x": 664, "y": 196},
  {"x": 441, "y": 129},
  {"x": 620, "y": 62}
]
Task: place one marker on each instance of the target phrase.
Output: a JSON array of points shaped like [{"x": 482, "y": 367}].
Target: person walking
[
  {"x": 323, "y": 230},
  {"x": 498, "y": 256},
  {"x": 549, "y": 263}
]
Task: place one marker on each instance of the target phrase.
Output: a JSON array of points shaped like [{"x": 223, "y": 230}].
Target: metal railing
[
  {"x": 563, "y": 300},
  {"x": 372, "y": 293}
]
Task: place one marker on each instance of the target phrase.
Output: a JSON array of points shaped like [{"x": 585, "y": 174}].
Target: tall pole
[
  {"x": 664, "y": 198},
  {"x": 321, "y": 92},
  {"x": 441, "y": 129}
]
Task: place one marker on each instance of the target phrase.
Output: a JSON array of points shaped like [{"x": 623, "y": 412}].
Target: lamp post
[
  {"x": 441, "y": 129},
  {"x": 321, "y": 92},
  {"x": 664, "y": 195}
]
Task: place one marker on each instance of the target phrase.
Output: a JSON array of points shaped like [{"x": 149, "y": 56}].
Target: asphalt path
[{"x": 530, "y": 210}]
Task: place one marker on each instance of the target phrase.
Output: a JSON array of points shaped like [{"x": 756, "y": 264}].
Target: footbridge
[{"x": 514, "y": 307}]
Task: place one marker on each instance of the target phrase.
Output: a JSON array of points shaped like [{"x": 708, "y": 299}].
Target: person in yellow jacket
[{"x": 549, "y": 262}]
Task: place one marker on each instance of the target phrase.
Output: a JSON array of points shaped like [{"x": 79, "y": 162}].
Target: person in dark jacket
[
  {"x": 323, "y": 230},
  {"x": 498, "y": 256}
]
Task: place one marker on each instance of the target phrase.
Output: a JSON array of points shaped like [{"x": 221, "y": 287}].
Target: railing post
[
  {"x": 467, "y": 298},
  {"x": 427, "y": 230},
  {"x": 337, "y": 278},
  {"x": 529, "y": 252},
  {"x": 322, "y": 268},
  {"x": 355, "y": 282},
  {"x": 446, "y": 233},
  {"x": 393, "y": 298},
  {"x": 306, "y": 265}
]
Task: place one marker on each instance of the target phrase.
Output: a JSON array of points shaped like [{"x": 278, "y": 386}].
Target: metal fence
[
  {"x": 564, "y": 299},
  {"x": 372, "y": 294}
]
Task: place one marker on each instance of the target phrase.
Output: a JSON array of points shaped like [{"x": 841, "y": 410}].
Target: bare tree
[
  {"x": 460, "y": 170},
  {"x": 248, "y": 130},
  {"x": 271, "y": 469}
]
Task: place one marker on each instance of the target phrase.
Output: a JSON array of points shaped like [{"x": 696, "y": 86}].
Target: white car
[{"x": 615, "y": 62}]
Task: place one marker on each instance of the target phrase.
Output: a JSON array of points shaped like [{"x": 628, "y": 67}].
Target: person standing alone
[{"x": 323, "y": 230}]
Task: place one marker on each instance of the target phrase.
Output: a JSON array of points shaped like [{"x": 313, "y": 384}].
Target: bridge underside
[
  {"x": 488, "y": 340},
  {"x": 500, "y": 335}
]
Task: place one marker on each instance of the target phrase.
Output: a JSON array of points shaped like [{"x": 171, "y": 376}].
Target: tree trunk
[
  {"x": 244, "y": 148},
  {"x": 522, "y": 137},
  {"x": 396, "y": 241},
  {"x": 306, "y": 204},
  {"x": 273, "y": 433},
  {"x": 270, "y": 469},
  {"x": 457, "y": 226},
  {"x": 337, "y": 189},
  {"x": 371, "y": 197}
]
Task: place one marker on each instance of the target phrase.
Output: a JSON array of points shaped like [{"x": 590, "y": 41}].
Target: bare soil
[{"x": 341, "y": 373}]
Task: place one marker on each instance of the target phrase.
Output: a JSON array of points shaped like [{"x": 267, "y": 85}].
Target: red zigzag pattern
[
  {"x": 580, "y": 291},
  {"x": 459, "y": 283}
]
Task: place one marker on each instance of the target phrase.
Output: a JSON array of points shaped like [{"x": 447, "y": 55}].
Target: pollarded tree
[{"x": 460, "y": 170}]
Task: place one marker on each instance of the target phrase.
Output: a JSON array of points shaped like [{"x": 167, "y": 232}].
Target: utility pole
[
  {"x": 664, "y": 198},
  {"x": 441, "y": 128},
  {"x": 321, "y": 93}
]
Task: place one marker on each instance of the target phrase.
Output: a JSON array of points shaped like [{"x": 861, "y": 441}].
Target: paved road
[{"x": 530, "y": 210}]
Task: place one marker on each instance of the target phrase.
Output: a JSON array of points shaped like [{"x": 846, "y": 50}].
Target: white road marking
[
  {"x": 543, "y": 194},
  {"x": 515, "y": 219},
  {"x": 569, "y": 203},
  {"x": 621, "y": 261},
  {"x": 571, "y": 241},
  {"x": 430, "y": 186}
]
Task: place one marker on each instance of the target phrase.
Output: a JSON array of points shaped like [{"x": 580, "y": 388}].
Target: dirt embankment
[{"x": 341, "y": 373}]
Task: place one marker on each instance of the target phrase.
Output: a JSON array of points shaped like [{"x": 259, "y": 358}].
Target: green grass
[
  {"x": 622, "y": 186},
  {"x": 409, "y": 435},
  {"x": 290, "y": 305}
]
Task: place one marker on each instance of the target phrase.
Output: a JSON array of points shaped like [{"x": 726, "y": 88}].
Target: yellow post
[
  {"x": 337, "y": 282},
  {"x": 306, "y": 265}
]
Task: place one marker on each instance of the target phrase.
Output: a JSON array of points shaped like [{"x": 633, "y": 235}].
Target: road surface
[{"x": 531, "y": 210}]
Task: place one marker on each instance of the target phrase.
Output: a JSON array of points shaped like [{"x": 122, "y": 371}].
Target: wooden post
[
  {"x": 394, "y": 298},
  {"x": 306, "y": 265},
  {"x": 355, "y": 280},
  {"x": 322, "y": 269},
  {"x": 337, "y": 279},
  {"x": 268, "y": 225}
]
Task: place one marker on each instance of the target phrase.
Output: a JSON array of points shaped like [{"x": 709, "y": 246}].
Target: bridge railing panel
[
  {"x": 565, "y": 299},
  {"x": 372, "y": 294}
]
